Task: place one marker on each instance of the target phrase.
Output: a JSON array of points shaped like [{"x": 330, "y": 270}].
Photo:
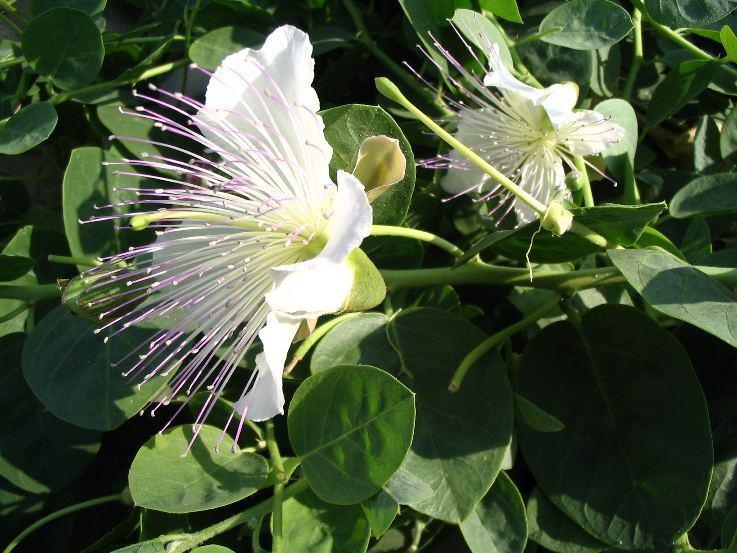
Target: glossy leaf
[
  {"x": 380, "y": 510},
  {"x": 90, "y": 7},
  {"x": 586, "y": 24},
  {"x": 633, "y": 464},
  {"x": 553, "y": 530},
  {"x": 346, "y": 127},
  {"x": 65, "y": 45},
  {"x": 161, "y": 478},
  {"x": 28, "y": 128},
  {"x": 69, "y": 368},
  {"x": 211, "y": 49},
  {"x": 498, "y": 523},
  {"x": 459, "y": 440},
  {"x": 506, "y": 9},
  {"x": 360, "y": 340},
  {"x": 688, "y": 13},
  {"x": 313, "y": 526},
  {"x": 480, "y": 32},
  {"x": 14, "y": 266},
  {"x": 705, "y": 196},
  {"x": 681, "y": 291},
  {"x": 351, "y": 427}
]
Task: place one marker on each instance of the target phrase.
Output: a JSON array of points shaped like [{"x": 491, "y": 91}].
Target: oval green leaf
[
  {"x": 705, "y": 196},
  {"x": 688, "y": 13},
  {"x": 633, "y": 463},
  {"x": 498, "y": 522},
  {"x": 69, "y": 368},
  {"x": 164, "y": 479},
  {"x": 586, "y": 24},
  {"x": 208, "y": 51},
  {"x": 351, "y": 427},
  {"x": 28, "y": 128},
  {"x": 65, "y": 45},
  {"x": 90, "y": 7},
  {"x": 14, "y": 266},
  {"x": 675, "y": 288},
  {"x": 460, "y": 438}
]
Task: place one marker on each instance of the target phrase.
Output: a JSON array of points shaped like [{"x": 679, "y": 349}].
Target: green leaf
[
  {"x": 88, "y": 183},
  {"x": 728, "y": 136},
  {"x": 485, "y": 243},
  {"x": 498, "y": 522},
  {"x": 729, "y": 40},
  {"x": 633, "y": 464},
  {"x": 621, "y": 224},
  {"x": 14, "y": 266},
  {"x": 126, "y": 124},
  {"x": 481, "y": 33},
  {"x": 506, "y": 9},
  {"x": 351, "y": 427},
  {"x": 618, "y": 154},
  {"x": 346, "y": 127},
  {"x": 553, "y": 64},
  {"x": 706, "y": 196},
  {"x": 152, "y": 546},
  {"x": 536, "y": 418},
  {"x": 425, "y": 22},
  {"x": 460, "y": 438},
  {"x": 606, "y": 70},
  {"x": 164, "y": 479},
  {"x": 586, "y": 24},
  {"x": 707, "y": 149},
  {"x": 697, "y": 241},
  {"x": 688, "y": 13},
  {"x": 360, "y": 340},
  {"x": 40, "y": 453},
  {"x": 90, "y": 7},
  {"x": 380, "y": 510},
  {"x": 652, "y": 237},
  {"x": 69, "y": 368},
  {"x": 729, "y": 528},
  {"x": 313, "y": 526},
  {"x": 405, "y": 488},
  {"x": 675, "y": 288},
  {"x": 28, "y": 128},
  {"x": 210, "y": 50},
  {"x": 679, "y": 87},
  {"x": 65, "y": 45},
  {"x": 552, "y": 529},
  {"x": 212, "y": 549}
]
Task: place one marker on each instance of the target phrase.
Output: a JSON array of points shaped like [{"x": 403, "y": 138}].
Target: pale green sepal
[{"x": 369, "y": 289}]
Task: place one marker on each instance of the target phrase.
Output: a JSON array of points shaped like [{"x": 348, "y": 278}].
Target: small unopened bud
[{"x": 557, "y": 219}]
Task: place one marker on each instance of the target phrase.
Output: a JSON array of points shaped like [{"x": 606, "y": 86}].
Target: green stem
[
  {"x": 535, "y": 36},
  {"x": 281, "y": 477},
  {"x": 71, "y": 260},
  {"x": 630, "y": 195},
  {"x": 107, "y": 85},
  {"x": 496, "y": 339},
  {"x": 14, "y": 313},
  {"x": 71, "y": 509},
  {"x": 637, "y": 54},
  {"x": 673, "y": 36},
  {"x": 34, "y": 292},
  {"x": 307, "y": 344},
  {"x": 10, "y": 23},
  {"x": 421, "y": 235},
  {"x": 567, "y": 282},
  {"x": 583, "y": 181},
  {"x": 187, "y": 542},
  {"x": 142, "y": 40}
]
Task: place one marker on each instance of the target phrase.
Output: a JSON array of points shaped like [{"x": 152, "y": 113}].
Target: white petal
[
  {"x": 321, "y": 285},
  {"x": 265, "y": 399},
  {"x": 589, "y": 132},
  {"x": 261, "y": 108},
  {"x": 558, "y": 100},
  {"x": 350, "y": 219},
  {"x": 311, "y": 288},
  {"x": 542, "y": 176}
]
